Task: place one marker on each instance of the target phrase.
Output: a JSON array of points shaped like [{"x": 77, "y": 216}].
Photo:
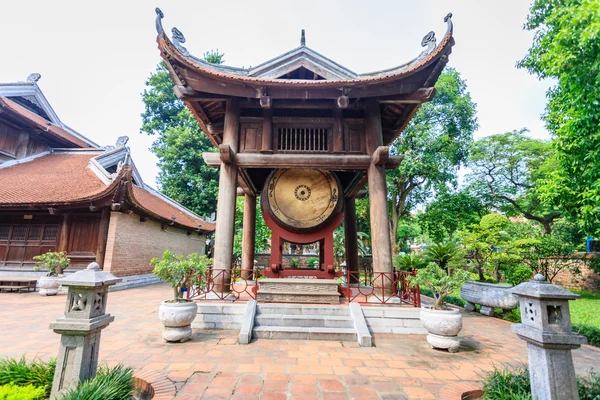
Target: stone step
[
  {"x": 297, "y": 309},
  {"x": 303, "y": 333},
  {"x": 323, "y": 321}
]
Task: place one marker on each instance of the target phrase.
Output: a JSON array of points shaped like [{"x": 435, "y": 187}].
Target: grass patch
[
  {"x": 108, "y": 384},
  {"x": 586, "y": 310},
  {"x": 507, "y": 384},
  {"x": 23, "y": 373}
]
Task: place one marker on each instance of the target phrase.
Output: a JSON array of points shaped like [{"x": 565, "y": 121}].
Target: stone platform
[{"x": 300, "y": 290}]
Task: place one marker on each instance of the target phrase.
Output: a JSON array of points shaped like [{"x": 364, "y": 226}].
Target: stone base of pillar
[
  {"x": 489, "y": 311},
  {"x": 470, "y": 306},
  {"x": 552, "y": 373}
]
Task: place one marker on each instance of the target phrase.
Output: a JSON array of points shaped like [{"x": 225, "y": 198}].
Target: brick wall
[
  {"x": 587, "y": 279},
  {"x": 131, "y": 244}
]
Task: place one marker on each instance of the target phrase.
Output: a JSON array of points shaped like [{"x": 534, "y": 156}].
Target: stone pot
[
  {"x": 49, "y": 285},
  {"x": 443, "y": 327},
  {"x": 177, "y": 319},
  {"x": 489, "y": 296}
]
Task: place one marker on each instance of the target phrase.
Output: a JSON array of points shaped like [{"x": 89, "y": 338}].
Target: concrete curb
[
  {"x": 360, "y": 326},
  {"x": 247, "y": 322}
]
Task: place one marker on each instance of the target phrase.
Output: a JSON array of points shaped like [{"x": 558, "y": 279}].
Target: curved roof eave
[{"x": 174, "y": 49}]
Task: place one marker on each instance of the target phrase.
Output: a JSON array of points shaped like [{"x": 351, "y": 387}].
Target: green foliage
[
  {"x": 446, "y": 255},
  {"x": 180, "y": 271},
  {"x": 108, "y": 384},
  {"x": 506, "y": 384},
  {"x": 311, "y": 261},
  {"x": 14, "y": 392},
  {"x": 439, "y": 281},
  {"x": 546, "y": 254},
  {"x": 450, "y": 299},
  {"x": 485, "y": 243},
  {"x": 410, "y": 261},
  {"x": 511, "y": 166},
  {"x": 183, "y": 176},
  {"x": 566, "y": 49},
  {"x": 434, "y": 144},
  {"x": 408, "y": 230},
  {"x": 23, "y": 373},
  {"x": 517, "y": 274},
  {"x": 262, "y": 232},
  {"x": 449, "y": 212},
  {"x": 515, "y": 384},
  {"x": 592, "y": 333},
  {"x": 294, "y": 263},
  {"x": 56, "y": 262}
]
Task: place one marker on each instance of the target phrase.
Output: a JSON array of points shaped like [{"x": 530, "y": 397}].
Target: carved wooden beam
[
  {"x": 422, "y": 95},
  {"x": 226, "y": 154},
  {"x": 381, "y": 155},
  {"x": 333, "y": 161}
]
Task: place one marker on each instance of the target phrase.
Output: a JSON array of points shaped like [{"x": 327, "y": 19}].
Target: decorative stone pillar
[
  {"x": 80, "y": 327},
  {"x": 546, "y": 327}
]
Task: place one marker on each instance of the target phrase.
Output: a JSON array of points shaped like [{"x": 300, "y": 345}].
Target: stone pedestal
[
  {"x": 80, "y": 327},
  {"x": 546, "y": 326},
  {"x": 290, "y": 290}
]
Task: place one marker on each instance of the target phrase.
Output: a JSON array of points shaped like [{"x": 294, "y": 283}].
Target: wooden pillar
[
  {"x": 248, "y": 236},
  {"x": 378, "y": 201},
  {"x": 351, "y": 238},
  {"x": 224, "y": 231},
  {"x": 338, "y": 131},
  {"x": 267, "y": 131},
  {"x": 102, "y": 236},
  {"x": 63, "y": 239}
]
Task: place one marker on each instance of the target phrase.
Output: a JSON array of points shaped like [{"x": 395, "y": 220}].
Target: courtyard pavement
[{"x": 214, "y": 366}]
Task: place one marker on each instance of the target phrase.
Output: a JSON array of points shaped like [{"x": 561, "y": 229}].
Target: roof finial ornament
[
  {"x": 448, "y": 20},
  {"x": 159, "y": 17},
  {"x": 34, "y": 77},
  {"x": 302, "y": 39},
  {"x": 428, "y": 42},
  {"x": 178, "y": 39}
]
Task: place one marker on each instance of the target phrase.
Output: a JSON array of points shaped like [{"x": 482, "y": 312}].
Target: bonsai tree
[
  {"x": 447, "y": 255},
  {"x": 439, "y": 281},
  {"x": 56, "y": 262},
  {"x": 180, "y": 271}
]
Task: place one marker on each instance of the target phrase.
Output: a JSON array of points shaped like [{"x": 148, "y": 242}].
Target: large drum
[{"x": 301, "y": 200}]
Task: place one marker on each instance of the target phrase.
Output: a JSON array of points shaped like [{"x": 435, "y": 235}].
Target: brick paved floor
[{"x": 214, "y": 366}]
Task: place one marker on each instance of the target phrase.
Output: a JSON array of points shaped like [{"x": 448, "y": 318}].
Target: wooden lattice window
[
  {"x": 303, "y": 139},
  {"x": 20, "y": 242}
]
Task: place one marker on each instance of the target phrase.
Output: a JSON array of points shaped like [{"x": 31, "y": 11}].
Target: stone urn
[
  {"x": 489, "y": 296},
  {"x": 177, "y": 318},
  {"x": 443, "y": 327},
  {"x": 49, "y": 285}
]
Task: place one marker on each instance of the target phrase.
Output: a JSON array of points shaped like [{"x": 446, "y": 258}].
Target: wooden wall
[{"x": 16, "y": 144}]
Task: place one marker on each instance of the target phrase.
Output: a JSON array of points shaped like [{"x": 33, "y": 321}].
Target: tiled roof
[
  {"x": 153, "y": 204},
  {"x": 65, "y": 178},
  {"x": 50, "y": 179},
  {"x": 40, "y": 122}
]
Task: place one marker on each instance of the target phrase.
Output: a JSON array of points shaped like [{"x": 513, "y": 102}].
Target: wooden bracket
[
  {"x": 215, "y": 128},
  {"x": 265, "y": 101},
  {"x": 381, "y": 155},
  {"x": 343, "y": 101},
  {"x": 183, "y": 92},
  {"x": 226, "y": 154}
]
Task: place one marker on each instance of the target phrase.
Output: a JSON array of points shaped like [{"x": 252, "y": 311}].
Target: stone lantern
[
  {"x": 546, "y": 327},
  {"x": 80, "y": 327}
]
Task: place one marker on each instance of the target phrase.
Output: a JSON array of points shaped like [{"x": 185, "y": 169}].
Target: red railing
[
  {"x": 365, "y": 286},
  {"x": 381, "y": 287},
  {"x": 226, "y": 284}
]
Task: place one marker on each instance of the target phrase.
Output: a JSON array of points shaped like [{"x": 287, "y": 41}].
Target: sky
[{"x": 95, "y": 57}]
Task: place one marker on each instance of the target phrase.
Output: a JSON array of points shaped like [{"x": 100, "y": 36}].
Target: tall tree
[
  {"x": 449, "y": 212},
  {"x": 179, "y": 144},
  {"x": 434, "y": 144},
  {"x": 512, "y": 167},
  {"x": 566, "y": 47}
]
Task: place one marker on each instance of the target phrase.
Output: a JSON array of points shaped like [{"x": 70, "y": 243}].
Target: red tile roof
[
  {"x": 40, "y": 123},
  {"x": 65, "y": 178}
]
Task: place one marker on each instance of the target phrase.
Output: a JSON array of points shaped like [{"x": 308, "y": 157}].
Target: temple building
[
  {"x": 305, "y": 134},
  {"x": 59, "y": 191}
]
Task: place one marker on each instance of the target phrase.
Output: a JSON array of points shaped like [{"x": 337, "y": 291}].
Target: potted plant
[
  {"x": 177, "y": 313},
  {"x": 442, "y": 323},
  {"x": 56, "y": 263}
]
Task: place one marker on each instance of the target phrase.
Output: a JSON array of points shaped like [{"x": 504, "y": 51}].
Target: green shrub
[
  {"x": 294, "y": 263},
  {"x": 592, "y": 333},
  {"x": 589, "y": 387},
  {"x": 311, "y": 262},
  {"x": 504, "y": 384},
  {"x": 108, "y": 384},
  {"x": 410, "y": 261},
  {"x": 56, "y": 262},
  {"x": 14, "y": 392},
  {"x": 439, "y": 281},
  {"x": 23, "y": 373},
  {"x": 513, "y": 315},
  {"x": 457, "y": 301},
  {"x": 514, "y": 384},
  {"x": 516, "y": 274},
  {"x": 180, "y": 271}
]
